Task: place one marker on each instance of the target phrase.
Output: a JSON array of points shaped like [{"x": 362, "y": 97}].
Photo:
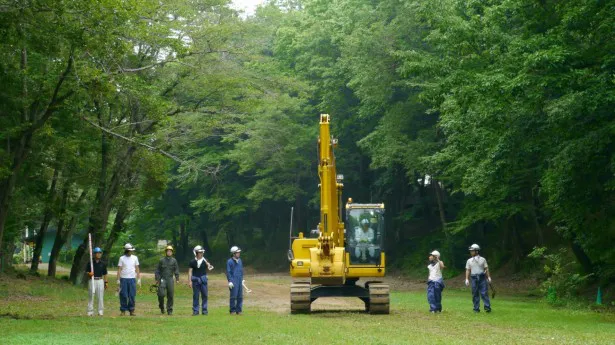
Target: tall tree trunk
[
  {"x": 105, "y": 195},
  {"x": 23, "y": 139},
  {"x": 40, "y": 237},
  {"x": 7, "y": 186},
  {"x": 118, "y": 227},
  {"x": 582, "y": 257},
  {"x": 76, "y": 272},
  {"x": 205, "y": 240},
  {"x": 517, "y": 244},
  {"x": 183, "y": 240},
  {"x": 447, "y": 235},
  {"x": 63, "y": 235},
  {"x": 58, "y": 241}
]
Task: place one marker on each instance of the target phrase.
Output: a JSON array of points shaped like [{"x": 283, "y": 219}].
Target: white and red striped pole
[{"x": 91, "y": 261}]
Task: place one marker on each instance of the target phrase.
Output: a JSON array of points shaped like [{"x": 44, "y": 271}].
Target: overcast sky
[{"x": 247, "y": 5}]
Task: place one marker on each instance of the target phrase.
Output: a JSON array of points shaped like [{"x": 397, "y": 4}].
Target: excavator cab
[{"x": 364, "y": 233}]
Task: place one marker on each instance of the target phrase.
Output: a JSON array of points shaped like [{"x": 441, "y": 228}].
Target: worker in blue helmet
[
  {"x": 234, "y": 275},
  {"x": 98, "y": 284}
]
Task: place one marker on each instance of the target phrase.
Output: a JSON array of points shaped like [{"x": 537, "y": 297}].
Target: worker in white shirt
[
  {"x": 435, "y": 283},
  {"x": 128, "y": 277},
  {"x": 364, "y": 238},
  {"x": 478, "y": 271}
]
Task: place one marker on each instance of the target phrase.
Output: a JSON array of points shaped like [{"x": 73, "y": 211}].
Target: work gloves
[
  {"x": 489, "y": 279},
  {"x": 106, "y": 285},
  {"x": 231, "y": 285},
  {"x": 139, "y": 282},
  {"x": 467, "y": 282}
]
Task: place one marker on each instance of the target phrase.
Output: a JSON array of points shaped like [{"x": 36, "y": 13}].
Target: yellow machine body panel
[{"x": 301, "y": 263}]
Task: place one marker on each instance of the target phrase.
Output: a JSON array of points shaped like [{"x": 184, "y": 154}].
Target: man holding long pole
[{"x": 97, "y": 271}]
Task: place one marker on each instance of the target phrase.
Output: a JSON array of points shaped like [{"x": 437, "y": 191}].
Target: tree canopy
[{"x": 473, "y": 121}]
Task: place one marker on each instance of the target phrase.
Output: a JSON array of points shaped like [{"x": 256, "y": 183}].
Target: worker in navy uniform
[
  {"x": 167, "y": 268},
  {"x": 97, "y": 286},
  {"x": 197, "y": 274},
  {"x": 234, "y": 275},
  {"x": 478, "y": 271}
]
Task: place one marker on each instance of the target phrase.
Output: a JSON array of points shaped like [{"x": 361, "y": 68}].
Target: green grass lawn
[{"x": 49, "y": 311}]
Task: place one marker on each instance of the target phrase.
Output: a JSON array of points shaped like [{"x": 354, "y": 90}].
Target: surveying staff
[
  {"x": 167, "y": 268},
  {"x": 128, "y": 277},
  {"x": 435, "y": 283},
  {"x": 234, "y": 275},
  {"x": 99, "y": 283},
  {"x": 478, "y": 270},
  {"x": 198, "y": 280}
]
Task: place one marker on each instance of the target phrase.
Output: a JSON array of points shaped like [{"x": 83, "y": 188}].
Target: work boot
[
  {"x": 132, "y": 313},
  {"x": 161, "y": 310},
  {"x": 170, "y": 312},
  {"x": 195, "y": 313},
  {"x": 123, "y": 313}
]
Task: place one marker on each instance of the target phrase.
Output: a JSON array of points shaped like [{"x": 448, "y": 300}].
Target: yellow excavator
[{"x": 342, "y": 253}]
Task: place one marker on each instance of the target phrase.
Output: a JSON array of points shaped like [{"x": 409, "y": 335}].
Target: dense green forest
[{"x": 489, "y": 122}]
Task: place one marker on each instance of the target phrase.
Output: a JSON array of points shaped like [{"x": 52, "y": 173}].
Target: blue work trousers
[
  {"x": 434, "y": 294},
  {"x": 480, "y": 290},
  {"x": 199, "y": 287},
  {"x": 236, "y": 301},
  {"x": 128, "y": 291}
]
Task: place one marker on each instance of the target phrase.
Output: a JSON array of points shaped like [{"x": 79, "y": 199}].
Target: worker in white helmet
[
  {"x": 234, "y": 276},
  {"x": 128, "y": 277},
  {"x": 435, "y": 283},
  {"x": 364, "y": 238},
  {"x": 198, "y": 280},
  {"x": 478, "y": 271}
]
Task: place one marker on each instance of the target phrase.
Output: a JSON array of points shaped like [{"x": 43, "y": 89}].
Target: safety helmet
[
  {"x": 198, "y": 249},
  {"x": 364, "y": 221},
  {"x": 474, "y": 247},
  {"x": 435, "y": 253},
  {"x": 235, "y": 249},
  {"x": 129, "y": 246},
  {"x": 97, "y": 250},
  {"x": 169, "y": 248}
]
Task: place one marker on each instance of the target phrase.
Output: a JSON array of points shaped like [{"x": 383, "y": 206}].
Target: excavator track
[
  {"x": 300, "y": 299},
  {"x": 378, "y": 298}
]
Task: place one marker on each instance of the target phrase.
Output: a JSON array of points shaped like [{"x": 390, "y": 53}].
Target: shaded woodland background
[{"x": 485, "y": 122}]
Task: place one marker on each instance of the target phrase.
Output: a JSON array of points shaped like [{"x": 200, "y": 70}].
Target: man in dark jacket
[
  {"x": 234, "y": 275},
  {"x": 99, "y": 282},
  {"x": 167, "y": 268},
  {"x": 198, "y": 280}
]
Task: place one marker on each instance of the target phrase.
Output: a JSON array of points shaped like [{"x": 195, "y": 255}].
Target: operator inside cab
[{"x": 364, "y": 235}]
